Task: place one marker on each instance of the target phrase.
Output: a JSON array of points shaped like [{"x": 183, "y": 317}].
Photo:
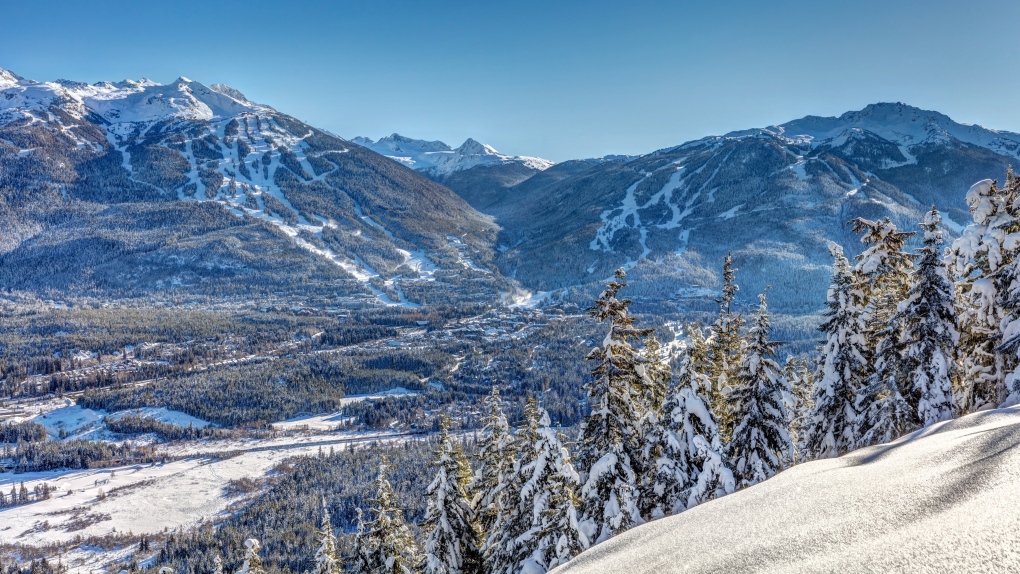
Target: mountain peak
[
  {"x": 472, "y": 146},
  {"x": 9, "y": 79}
]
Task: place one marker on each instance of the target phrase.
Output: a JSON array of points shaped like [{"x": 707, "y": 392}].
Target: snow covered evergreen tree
[
  {"x": 725, "y": 349},
  {"x": 885, "y": 413},
  {"x": 360, "y": 559},
  {"x": 326, "y": 561},
  {"x": 760, "y": 441},
  {"x": 656, "y": 374},
  {"x": 1008, "y": 279},
  {"x": 690, "y": 468},
  {"x": 928, "y": 318},
  {"x": 451, "y": 542},
  {"x": 801, "y": 405},
  {"x": 548, "y": 491},
  {"x": 497, "y": 454},
  {"x": 831, "y": 428},
  {"x": 388, "y": 546},
  {"x": 506, "y": 549},
  {"x": 252, "y": 562},
  {"x": 610, "y": 439},
  {"x": 977, "y": 258},
  {"x": 882, "y": 272}
]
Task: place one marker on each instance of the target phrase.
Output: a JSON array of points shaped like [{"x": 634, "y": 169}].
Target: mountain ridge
[{"x": 389, "y": 235}]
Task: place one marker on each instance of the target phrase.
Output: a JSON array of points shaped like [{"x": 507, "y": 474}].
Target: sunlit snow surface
[{"x": 942, "y": 500}]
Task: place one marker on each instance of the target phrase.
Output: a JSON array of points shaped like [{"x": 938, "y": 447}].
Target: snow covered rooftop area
[{"x": 943, "y": 499}]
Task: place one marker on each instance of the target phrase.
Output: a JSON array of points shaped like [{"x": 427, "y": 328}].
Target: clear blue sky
[{"x": 554, "y": 79}]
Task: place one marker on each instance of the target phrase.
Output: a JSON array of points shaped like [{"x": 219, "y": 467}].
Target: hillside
[
  {"x": 774, "y": 196},
  {"x": 939, "y": 500},
  {"x": 130, "y": 188}
]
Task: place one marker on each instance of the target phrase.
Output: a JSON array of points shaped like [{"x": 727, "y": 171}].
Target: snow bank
[{"x": 940, "y": 500}]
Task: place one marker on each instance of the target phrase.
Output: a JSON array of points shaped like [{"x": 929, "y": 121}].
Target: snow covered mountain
[
  {"x": 184, "y": 185},
  {"x": 933, "y": 501},
  {"x": 476, "y": 171},
  {"x": 437, "y": 159},
  {"x": 774, "y": 197}
]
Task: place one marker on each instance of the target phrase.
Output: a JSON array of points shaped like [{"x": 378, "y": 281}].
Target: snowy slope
[
  {"x": 940, "y": 500},
  {"x": 140, "y": 141},
  {"x": 438, "y": 159}
]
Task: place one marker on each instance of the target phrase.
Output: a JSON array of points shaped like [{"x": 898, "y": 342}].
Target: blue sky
[{"x": 554, "y": 79}]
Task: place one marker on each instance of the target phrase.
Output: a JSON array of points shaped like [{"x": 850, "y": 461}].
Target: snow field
[
  {"x": 332, "y": 421},
  {"x": 143, "y": 499}
]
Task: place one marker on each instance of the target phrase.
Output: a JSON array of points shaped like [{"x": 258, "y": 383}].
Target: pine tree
[
  {"x": 494, "y": 482},
  {"x": 1008, "y": 279},
  {"x": 885, "y": 413},
  {"x": 217, "y": 565},
  {"x": 326, "y": 561},
  {"x": 882, "y": 273},
  {"x": 760, "y": 441},
  {"x": 656, "y": 375},
  {"x": 506, "y": 550},
  {"x": 387, "y": 544},
  {"x": 252, "y": 562},
  {"x": 801, "y": 404},
  {"x": 831, "y": 428},
  {"x": 690, "y": 468},
  {"x": 610, "y": 441},
  {"x": 724, "y": 350},
  {"x": 361, "y": 557},
  {"x": 451, "y": 542},
  {"x": 548, "y": 491},
  {"x": 929, "y": 327},
  {"x": 977, "y": 258}
]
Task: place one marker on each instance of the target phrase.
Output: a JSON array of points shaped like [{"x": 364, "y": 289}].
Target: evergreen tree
[
  {"x": 760, "y": 441},
  {"x": 451, "y": 542},
  {"x": 1008, "y": 279},
  {"x": 882, "y": 273},
  {"x": 832, "y": 424},
  {"x": 977, "y": 258},
  {"x": 548, "y": 492},
  {"x": 885, "y": 413},
  {"x": 252, "y": 562},
  {"x": 507, "y": 549},
  {"x": 492, "y": 484},
  {"x": 360, "y": 559},
  {"x": 801, "y": 404},
  {"x": 387, "y": 544},
  {"x": 326, "y": 561},
  {"x": 656, "y": 374},
  {"x": 689, "y": 469},
  {"x": 725, "y": 349},
  {"x": 610, "y": 439},
  {"x": 929, "y": 327}
]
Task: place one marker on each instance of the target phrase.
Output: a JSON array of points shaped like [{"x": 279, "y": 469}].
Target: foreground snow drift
[{"x": 940, "y": 500}]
